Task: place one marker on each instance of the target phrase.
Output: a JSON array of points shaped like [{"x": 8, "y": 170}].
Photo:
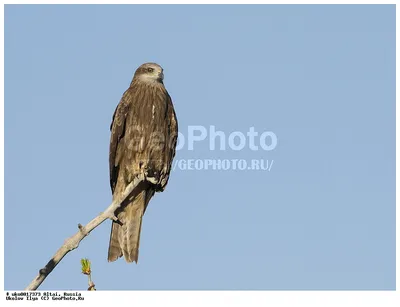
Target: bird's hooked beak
[{"x": 161, "y": 75}]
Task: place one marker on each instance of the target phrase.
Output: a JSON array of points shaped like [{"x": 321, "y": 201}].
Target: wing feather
[
  {"x": 171, "y": 146},
  {"x": 117, "y": 128}
]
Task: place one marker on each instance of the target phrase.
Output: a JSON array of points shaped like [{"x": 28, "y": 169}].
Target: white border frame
[{"x": 219, "y": 298}]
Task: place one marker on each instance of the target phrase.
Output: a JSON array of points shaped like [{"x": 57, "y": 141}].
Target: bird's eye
[{"x": 150, "y": 69}]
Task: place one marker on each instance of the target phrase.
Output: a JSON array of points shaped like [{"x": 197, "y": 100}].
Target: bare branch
[
  {"x": 91, "y": 284},
  {"x": 73, "y": 242}
]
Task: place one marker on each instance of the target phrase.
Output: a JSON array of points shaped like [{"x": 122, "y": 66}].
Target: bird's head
[{"x": 150, "y": 72}]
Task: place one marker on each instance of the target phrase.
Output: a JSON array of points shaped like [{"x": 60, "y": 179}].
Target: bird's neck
[{"x": 145, "y": 80}]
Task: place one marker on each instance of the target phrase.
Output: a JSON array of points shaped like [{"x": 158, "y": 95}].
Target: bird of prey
[{"x": 144, "y": 132}]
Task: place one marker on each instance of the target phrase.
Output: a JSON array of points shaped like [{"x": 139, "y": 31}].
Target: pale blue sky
[{"x": 322, "y": 78}]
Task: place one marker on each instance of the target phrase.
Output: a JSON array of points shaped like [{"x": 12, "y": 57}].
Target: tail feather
[
  {"x": 114, "y": 249},
  {"x": 125, "y": 237},
  {"x": 131, "y": 234}
]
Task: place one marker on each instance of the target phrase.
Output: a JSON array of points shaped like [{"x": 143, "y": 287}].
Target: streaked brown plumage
[{"x": 144, "y": 131}]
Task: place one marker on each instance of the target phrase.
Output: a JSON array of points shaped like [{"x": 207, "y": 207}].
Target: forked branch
[{"x": 73, "y": 242}]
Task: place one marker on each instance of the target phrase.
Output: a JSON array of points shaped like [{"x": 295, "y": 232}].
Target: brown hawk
[{"x": 144, "y": 132}]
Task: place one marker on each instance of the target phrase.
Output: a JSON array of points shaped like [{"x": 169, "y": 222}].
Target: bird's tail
[{"x": 125, "y": 236}]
